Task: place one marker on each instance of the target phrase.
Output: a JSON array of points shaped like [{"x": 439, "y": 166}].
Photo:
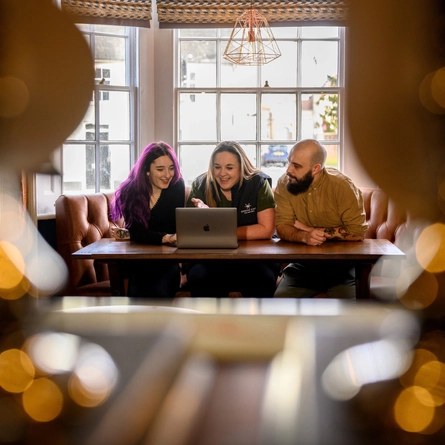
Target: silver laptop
[{"x": 213, "y": 227}]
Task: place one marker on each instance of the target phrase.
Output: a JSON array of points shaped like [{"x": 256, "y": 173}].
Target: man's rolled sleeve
[{"x": 352, "y": 211}]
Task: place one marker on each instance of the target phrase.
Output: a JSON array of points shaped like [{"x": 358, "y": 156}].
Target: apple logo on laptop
[{"x": 206, "y": 228}]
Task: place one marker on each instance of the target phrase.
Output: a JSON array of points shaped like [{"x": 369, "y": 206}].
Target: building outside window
[
  {"x": 265, "y": 108},
  {"x": 98, "y": 155}
]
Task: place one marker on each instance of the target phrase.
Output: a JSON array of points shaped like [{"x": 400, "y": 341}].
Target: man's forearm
[{"x": 287, "y": 232}]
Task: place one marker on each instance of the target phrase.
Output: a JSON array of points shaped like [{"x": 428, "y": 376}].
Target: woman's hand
[
  {"x": 198, "y": 203},
  {"x": 169, "y": 238}
]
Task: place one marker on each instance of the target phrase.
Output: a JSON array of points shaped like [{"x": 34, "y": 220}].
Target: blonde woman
[{"x": 232, "y": 181}]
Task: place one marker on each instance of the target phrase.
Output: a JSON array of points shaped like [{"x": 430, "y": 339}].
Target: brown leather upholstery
[
  {"x": 83, "y": 219},
  {"x": 386, "y": 219}
]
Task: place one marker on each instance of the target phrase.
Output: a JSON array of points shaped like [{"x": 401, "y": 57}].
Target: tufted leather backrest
[
  {"x": 82, "y": 220},
  {"x": 386, "y": 219}
]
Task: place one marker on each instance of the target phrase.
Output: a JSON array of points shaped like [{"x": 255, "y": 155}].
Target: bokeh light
[
  {"x": 428, "y": 375},
  {"x": 95, "y": 376},
  {"x": 16, "y": 371},
  {"x": 12, "y": 266},
  {"x": 53, "y": 352},
  {"x": 25, "y": 257},
  {"x": 416, "y": 291},
  {"x": 419, "y": 407},
  {"x": 13, "y": 224},
  {"x": 431, "y": 376},
  {"x": 14, "y": 96},
  {"x": 81, "y": 393},
  {"x": 438, "y": 87},
  {"x": 43, "y": 400},
  {"x": 93, "y": 372},
  {"x": 430, "y": 248},
  {"x": 413, "y": 409},
  {"x": 364, "y": 364},
  {"x": 46, "y": 284},
  {"x": 17, "y": 227},
  {"x": 16, "y": 292},
  {"x": 426, "y": 94},
  {"x": 420, "y": 356}
]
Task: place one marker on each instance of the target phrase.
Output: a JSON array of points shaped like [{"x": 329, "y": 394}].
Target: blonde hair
[{"x": 246, "y": 167}]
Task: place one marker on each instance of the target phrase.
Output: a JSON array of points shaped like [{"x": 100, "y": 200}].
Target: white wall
[{"x": 157, "y": 101}]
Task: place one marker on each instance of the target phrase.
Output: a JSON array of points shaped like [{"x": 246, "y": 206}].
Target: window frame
[
  {"x": 45, "y": 189},
  {"x": 299, "y": 91}
]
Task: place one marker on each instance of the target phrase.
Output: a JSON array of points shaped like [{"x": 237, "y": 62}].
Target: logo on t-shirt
[{"x": 248, "y": 209}]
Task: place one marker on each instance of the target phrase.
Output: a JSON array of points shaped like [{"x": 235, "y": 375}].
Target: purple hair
[{"x": 132, "y": 198}]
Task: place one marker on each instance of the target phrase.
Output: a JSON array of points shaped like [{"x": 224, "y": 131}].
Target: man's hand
[
  {"x": 198, "y": 203},
  {"x": 315, "y": 237}
]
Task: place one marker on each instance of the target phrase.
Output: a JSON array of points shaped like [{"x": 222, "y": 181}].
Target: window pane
[
  {"x": 84, "y": 27},
  {"x": 233, "y": 75},
  {"x": 332, "y": 158},
  {"x": 198, "y": 64},
  {"x": 278, "y": 116},
  {"x": 225, "y": 32},
  {"x": 284, "y": 32},
  {"x": 197, "y": 116},
  {"x": 250, "y": 152},
  {"x": 238, "y": 116},
  {"x": 274, "y": 160},
  {"x": 320, "y": 116},
  {"x": 114, "y": 166},
  {"x": 282, "y": 72},
  {"x": 197, "y": 32},
  {"x": 86, "y": 128},
  {"x": 110, "y": 57},
  {"x": 194, "y": 160},
  {"x": 78, "y": 168},
  {"x": 319, "y": 31},
  {"x": 110, "y": 29},
  {"x": 319, "y": 63},
  {"x": 114, "y": 115}
]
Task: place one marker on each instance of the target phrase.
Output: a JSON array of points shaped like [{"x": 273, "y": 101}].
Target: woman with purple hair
[{"x": 147, "y": 200}]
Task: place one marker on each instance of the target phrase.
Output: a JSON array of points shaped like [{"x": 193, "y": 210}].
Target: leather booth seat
[{"x": 82, "y": 220}]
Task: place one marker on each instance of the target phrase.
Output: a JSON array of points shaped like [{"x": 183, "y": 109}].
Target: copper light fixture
[{"x": 251, "y": 41}]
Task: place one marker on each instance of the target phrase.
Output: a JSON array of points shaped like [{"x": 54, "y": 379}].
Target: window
[
  {"x": 98, "y": 155},
  {"x": 268, "y": 108}
]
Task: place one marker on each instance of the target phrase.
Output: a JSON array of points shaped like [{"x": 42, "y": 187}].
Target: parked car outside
[{"x": 275, "y": 155}]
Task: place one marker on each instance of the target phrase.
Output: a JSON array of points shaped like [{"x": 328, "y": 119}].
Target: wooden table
[{"x": 363, "y": 253}]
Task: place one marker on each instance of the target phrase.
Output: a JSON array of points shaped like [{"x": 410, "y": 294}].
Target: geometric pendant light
[{"x": 251, "y": 41}]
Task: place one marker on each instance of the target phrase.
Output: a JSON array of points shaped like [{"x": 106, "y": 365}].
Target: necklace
[{"x": 154, "y": 199}]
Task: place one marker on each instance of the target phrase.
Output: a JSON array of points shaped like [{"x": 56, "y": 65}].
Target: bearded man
[{"x": 317, "y": 204}]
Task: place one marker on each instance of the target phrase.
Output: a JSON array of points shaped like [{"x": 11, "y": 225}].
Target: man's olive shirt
[{"x": 332, "y": 201}]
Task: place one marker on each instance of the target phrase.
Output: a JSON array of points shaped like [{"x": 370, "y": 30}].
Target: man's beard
[{"x": 301, "y": 185}]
